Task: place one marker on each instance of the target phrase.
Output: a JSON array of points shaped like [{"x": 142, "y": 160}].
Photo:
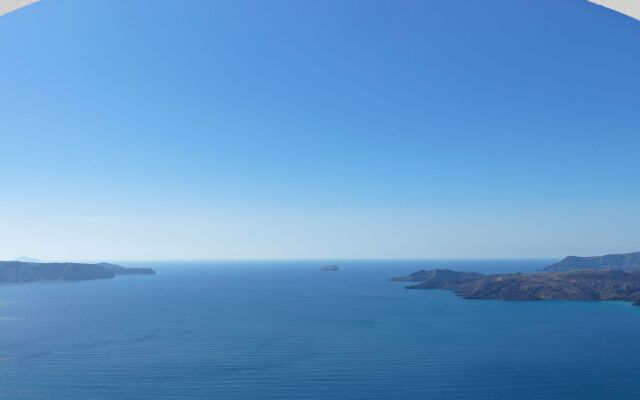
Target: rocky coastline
[{"x": 615, "y": 282}]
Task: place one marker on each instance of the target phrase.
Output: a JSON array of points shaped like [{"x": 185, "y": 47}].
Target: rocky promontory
[
  {"x": 120, "y": 270},
  {"x": 16, "y": 271},
  {"x": 439, "y": 278},
  {"x": 594, "y": 285}
]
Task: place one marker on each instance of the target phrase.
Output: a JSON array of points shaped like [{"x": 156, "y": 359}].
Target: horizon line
[{"x": 123, "y": 260}]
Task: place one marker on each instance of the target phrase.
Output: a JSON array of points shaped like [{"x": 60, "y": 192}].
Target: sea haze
[{"x": 286, "y": 330}]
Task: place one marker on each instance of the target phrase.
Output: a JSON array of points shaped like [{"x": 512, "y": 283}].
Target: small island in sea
[
  {"x": 18, "y": 271},
  {"x": 613, "y": 277}
]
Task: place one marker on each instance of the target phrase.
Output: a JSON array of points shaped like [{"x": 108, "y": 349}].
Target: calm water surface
[{"x": 267, "y": 330}]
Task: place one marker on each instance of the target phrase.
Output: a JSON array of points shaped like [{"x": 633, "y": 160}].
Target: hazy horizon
[
  {"x": 318, "y": 130},
  {"x": 251, "y": 260}
]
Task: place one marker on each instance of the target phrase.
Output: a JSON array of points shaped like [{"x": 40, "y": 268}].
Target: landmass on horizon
[
  {"x": 614, "y": 277},
  {"x": 28, "y": 259},
  {"x": 22, "y": 272},
  {"x": 615, "y": 261}
]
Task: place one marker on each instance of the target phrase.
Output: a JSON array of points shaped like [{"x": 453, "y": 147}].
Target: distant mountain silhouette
[
  {"x": 609, "y": 261},
  {"x": 28, "y": 259}
]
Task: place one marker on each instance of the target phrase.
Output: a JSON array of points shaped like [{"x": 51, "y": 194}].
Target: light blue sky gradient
[{"x": 318, "y": 129}]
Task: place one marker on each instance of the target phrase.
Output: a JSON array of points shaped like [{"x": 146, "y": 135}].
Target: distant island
[
  {"x": 608, "y": 278},
  {"x": 18, "y": 271},
  {"x": 615, "y": 261},
  {"x": 28, "y": 259},
  {"x": 333, "y": 268}
]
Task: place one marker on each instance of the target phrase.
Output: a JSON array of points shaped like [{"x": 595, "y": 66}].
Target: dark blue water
[{"x": 267, "y": 330}]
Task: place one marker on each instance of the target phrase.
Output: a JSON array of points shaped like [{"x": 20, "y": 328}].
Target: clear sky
[{"x": 318, "y": 129}]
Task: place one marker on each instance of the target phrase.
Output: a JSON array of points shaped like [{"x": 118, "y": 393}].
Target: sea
[{"x": 286, "y": 330}]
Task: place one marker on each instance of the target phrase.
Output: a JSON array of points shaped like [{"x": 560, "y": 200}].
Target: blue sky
[{"x": 318, "y": 129}]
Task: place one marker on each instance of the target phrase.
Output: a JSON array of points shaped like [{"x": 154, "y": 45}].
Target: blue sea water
[{"x": 285, "y": 330}]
